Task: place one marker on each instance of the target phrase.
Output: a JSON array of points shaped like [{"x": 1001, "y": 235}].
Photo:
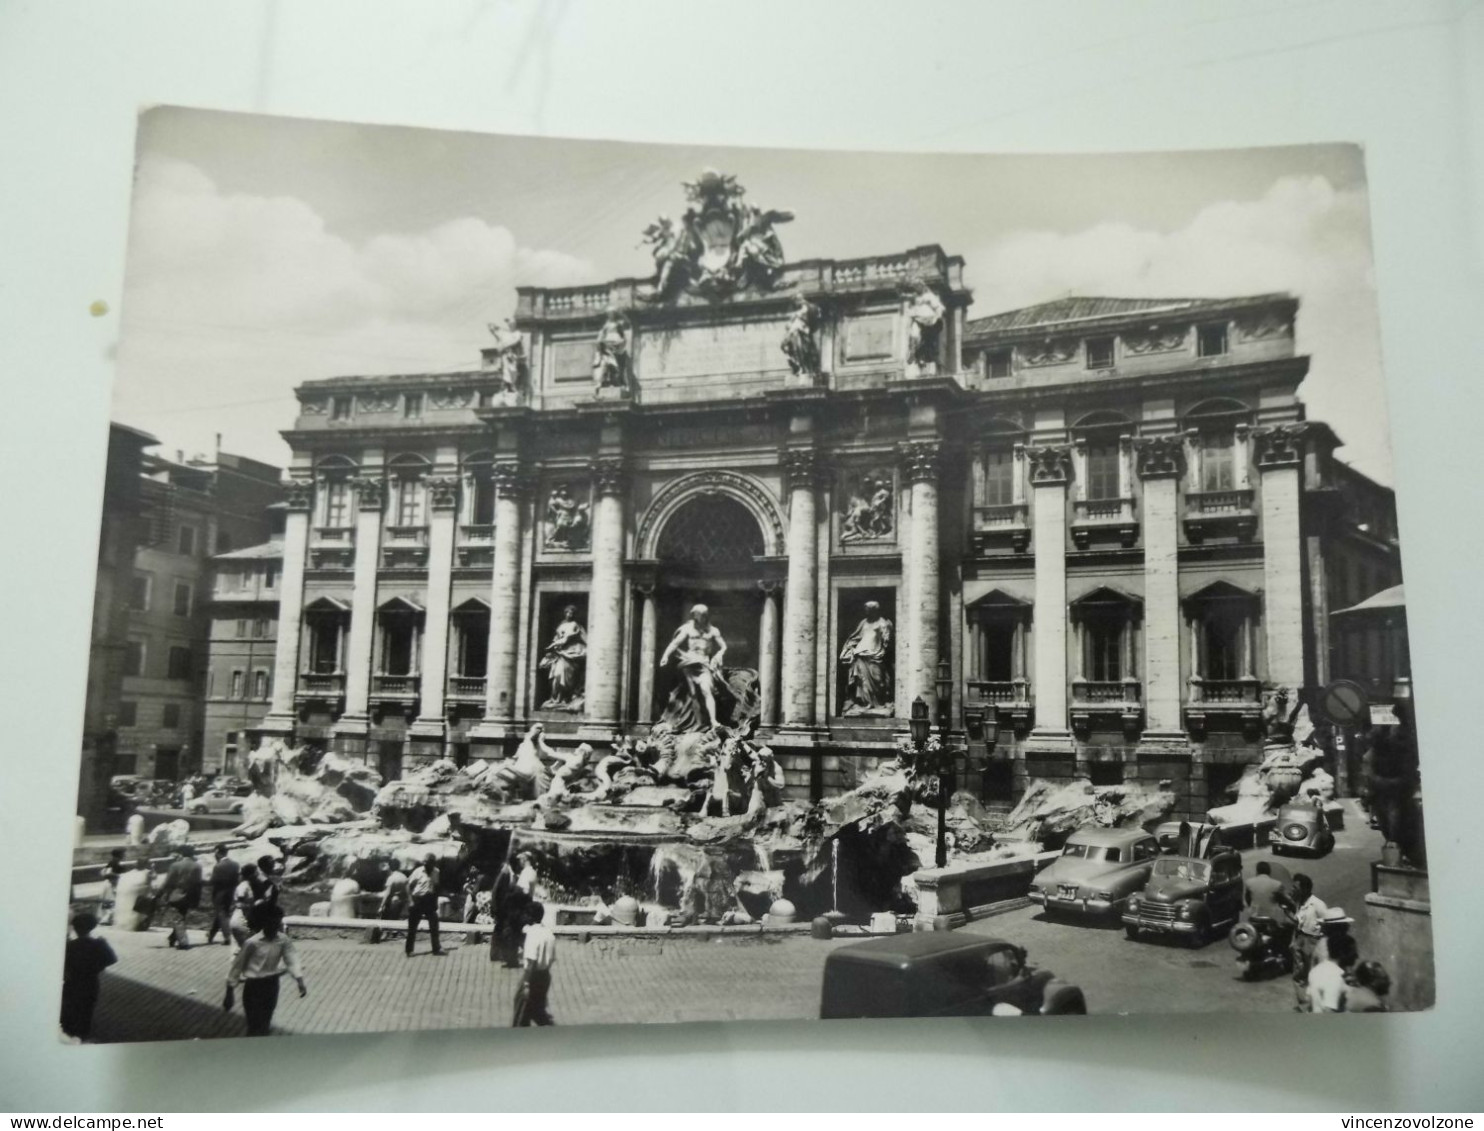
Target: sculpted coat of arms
[{"x": 721, "y": 245}]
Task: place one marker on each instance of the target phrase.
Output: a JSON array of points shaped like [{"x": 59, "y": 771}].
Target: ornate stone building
[{"x": 1090, "y": 516}]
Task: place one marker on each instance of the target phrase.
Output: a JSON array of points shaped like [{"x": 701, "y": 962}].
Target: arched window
[
  {"x": 332, "y": 476},
  {"x": 715, "y": 531},
  {"x": 409, "y": 506},
  {"x": 1102, "y": 464}
]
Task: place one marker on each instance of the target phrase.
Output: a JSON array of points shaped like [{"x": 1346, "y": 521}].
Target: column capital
[
  {"x": 1160, "y": 457},
  {"x": 608, "y": 475},
  {"x": 921, "y": 459},
  {"x": 298, "y": 494},
  {"x": 370, "y": 492},
  {"x": 644, "y": 588},
  {"x": 512, "y": 479},
  {"x": 771, "y": 587},
  {"x": 1050, "y": 464},
  {"x": 802, "y": 467},
  {"x": 443, "y": 492},
  {"x": 1281, "y": 445}
]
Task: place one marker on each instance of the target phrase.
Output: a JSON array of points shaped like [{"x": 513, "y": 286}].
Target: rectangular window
[
  {"x": 223, "y": 541},
  {"x": 242, "y": 628},
  {"x": 236, "y": 685},
  {"x": 139, "y": 592},
  {"x": 170, "y": 716},
  {"x": 398, "y": 636},
  {"x": 179, "y": 664},
  {"x": 182, "y": 599},
  {"x": 999, "y": 650},
  {"x": 1102, "y": 471},
  {"x": 186, "y": 543},
  {"x": 270, "y": 576},
  {"x": 412, "y": 405},
  {"x": 1222, "y": 646},
  {"x": 474, "y": 642},
  {"x": 1218, "y": 463},
  {"x": 324, "y": 645},
  {"x": 1211, "y": 340},
  {"x": 134, "y": 657},
  {"x": 482, "y": 508},
  {"x": 339, "y": 408},
  {"x": 1100, "y": 353},
  {"x": 997, "y": 364},
  {"x": 999, "y": 478},
  {"x": 260, "y": 685},
  {"x": 1104, "y": 650},
  {"x": 260, "y": 627},
  {"x": 409, "y": 501},
  {"x": 128, "y": 713},
  {"x": 337, "y": 503}
]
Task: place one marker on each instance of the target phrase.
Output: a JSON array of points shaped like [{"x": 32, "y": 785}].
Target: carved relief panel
[{"x": 866, "y": 507}]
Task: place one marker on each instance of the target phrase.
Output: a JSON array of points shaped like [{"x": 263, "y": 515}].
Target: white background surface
[{"x": 1405, "y": 80}]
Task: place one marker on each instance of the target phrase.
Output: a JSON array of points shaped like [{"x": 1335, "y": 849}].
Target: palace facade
[{"x": 1106, "y": 524}]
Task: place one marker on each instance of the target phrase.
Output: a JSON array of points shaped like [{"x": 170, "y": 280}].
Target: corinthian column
[
  {"x": 1279, "y": 455},
  {"x": 647, "y": 644},
  {"x": 370, "y": 493},
  {"x": 801, "y": 468},
  {"x": 1050, "y": 467},
  {"x": 281, "y": 715},
  {"x": 767, "y": 653},
  {"x": 443, "y": 501},
  {"x": 512, "y": 487},
  {"x": 605, "y": 600},
  {"x": 921, "y": 461},
  {"x": 1161, "y": 463}
]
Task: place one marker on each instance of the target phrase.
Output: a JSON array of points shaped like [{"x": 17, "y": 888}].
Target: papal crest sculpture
[{"x": 721, "y": 245}]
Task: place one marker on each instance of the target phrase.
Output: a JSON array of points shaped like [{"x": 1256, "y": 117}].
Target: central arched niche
[{"x": 713, "y": 532}]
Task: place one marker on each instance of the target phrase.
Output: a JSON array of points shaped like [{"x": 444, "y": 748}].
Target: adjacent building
[
  {"x": 1104, "y": 524},
  {"x": 240, "y": 651}
]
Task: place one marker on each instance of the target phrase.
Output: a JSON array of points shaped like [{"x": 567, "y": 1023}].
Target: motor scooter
[{"x": 1262, "y": 946}]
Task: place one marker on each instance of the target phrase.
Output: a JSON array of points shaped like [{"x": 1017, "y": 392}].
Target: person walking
[
  {"x": 538, "y": 954},
  {"x": 1308, "y": 910},
  {"x": 257, "y": 968},
  {"x": 82, "y": 972},
  {"x": 111, "y": 873},
  {"x": 422, "y": 889},
  {"x": 225, "y": 876},
  {"x": 508, "y": 903},
  {"x": 184, "y": 882},
  {"x": 1329, "y": 984},
  {"x": 240, "y": 925}
]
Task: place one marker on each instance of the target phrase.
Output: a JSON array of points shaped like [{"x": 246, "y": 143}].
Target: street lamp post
[{"x": 939, "y": 762}]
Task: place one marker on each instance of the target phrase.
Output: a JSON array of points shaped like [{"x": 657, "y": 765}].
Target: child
[{"x": 82, "y": 971}]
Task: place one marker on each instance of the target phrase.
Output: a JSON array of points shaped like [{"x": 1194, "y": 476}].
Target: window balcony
[
  {"x": 466, "y": 688},
  {"x": 333, "y": 547},
  {"x": 476, "y": 544},
  {"x": 1104, "y": 518},
  {"x": 1220, "y": 513},
  {"x": 1004, "y": 525},
  {"x": 1009, "y": 699},
  {"x": 395, "y": 688},
  {"x": 404, "y": 546},
  {"x": 1233, "y": 700},
  {"x": 1105, "y": 699},
  {"x": 320, "y": 687}
]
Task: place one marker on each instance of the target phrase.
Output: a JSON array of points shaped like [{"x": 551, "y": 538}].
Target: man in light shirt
[
  {"x": 258, "y": 966},
  {"x": 1329, "y": 983},
  {"x": 1308, "y": 911},
  {"x": 422, "y": 890},
  {"x": 538, "y": 954}
]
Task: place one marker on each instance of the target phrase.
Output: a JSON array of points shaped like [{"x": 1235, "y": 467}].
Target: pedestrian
[
  {"x": 242, "y": 924},
  {"x": 1333, "y": 924},
  {"x": 135, "y": 903},
  {"x": 111, "y": 873},
  {"x": 1329, "y": 980},
  {"x": 267, "y": 885},
  {"x": 134, "y": 829},
  {"x": 225, "y": 876},
  {"x": 262, "y": 961},
  {"x": 184, "y": 882},
  {"x": 82, "y": 971},
  {"x": 394, "y": 895},
  {"x": 526, "y": 878},
  {"x": 508, "y": 904},
  {"x": 1308, "y": 910},
  {"x": 187, "y": 794},
  {"x": 1368, "y": 989},
  {"x": 422, "y": 889},
  {"x": 538, "y": 954},
  {"x": 473, "y": 883},
  {"x": 1266, "y": 899}
]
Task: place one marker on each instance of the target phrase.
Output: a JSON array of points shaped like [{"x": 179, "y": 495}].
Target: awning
[{"x": 1388, "y": 600}]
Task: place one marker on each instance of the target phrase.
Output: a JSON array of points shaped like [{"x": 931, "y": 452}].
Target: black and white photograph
[{"x": 562, "y": 582}]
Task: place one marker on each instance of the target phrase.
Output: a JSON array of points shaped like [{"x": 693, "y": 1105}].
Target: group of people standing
[{"x": 1328, "y": 974}]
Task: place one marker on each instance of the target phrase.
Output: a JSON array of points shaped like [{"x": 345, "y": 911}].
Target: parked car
[
  {"x": 1301, "y": 827},
  {"x": 215, "y": 801},
  {"x": 1098, "y": 870},
  {"x": 940, "y": 974},
  {"x": 1188, "y": 897},
  {"x": 1200, "y": 839}
]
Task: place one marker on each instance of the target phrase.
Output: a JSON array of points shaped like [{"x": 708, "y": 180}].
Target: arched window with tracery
[{"x": 715, "y": 532}]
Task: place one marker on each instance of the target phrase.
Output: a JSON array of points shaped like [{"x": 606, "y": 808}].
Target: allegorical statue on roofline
[
  {"x": 612, "y": 360},
  {"x": 722, "y": 244},
  {"x": 800, "y": 344},
  {"x": 925, "y": 311},
  {"x": 510, "y": 359}
]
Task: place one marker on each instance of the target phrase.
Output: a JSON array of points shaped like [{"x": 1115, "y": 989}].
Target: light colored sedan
[
  {"x": 1097, "y": 871},
  {"x": 215, "y": 801}
]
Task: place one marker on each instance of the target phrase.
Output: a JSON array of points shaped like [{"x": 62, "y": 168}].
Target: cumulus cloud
[
  {"x": 1302, "y": 236},
  {"x": 232, "y": 299}
]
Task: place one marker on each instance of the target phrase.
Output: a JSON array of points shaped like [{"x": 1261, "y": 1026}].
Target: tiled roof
[
  {"x": 273, "y": 549},
  {"x": 1083, "y": 309}
]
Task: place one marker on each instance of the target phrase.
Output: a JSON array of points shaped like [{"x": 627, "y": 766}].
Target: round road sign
[{"x": 1345, "y": 703}]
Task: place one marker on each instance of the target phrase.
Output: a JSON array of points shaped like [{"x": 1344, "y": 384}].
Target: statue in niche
[
  {"x": 868, "y": 514},
  {"x": 867, "y": 651},
  {"x": 611, "y": 358},
  {"x": 510, "y": 359},
  {"x": 799, "y": 344},
  {"x": 568, "y": 522},
  {"x": 565, "y": 664},
  {"x": 925, "y": 311},
  {"x": 698, "y": 648}
]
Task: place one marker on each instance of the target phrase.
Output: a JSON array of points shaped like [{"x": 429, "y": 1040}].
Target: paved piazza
[{"x": 156, "y": 993}]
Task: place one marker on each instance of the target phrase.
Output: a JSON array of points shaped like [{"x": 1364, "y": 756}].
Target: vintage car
[
  {"x": 1098, "y": 869},
  {"x": 1301, "y": 827},
  {"x": 940, "y": 974},
  {"x": 215, "y": 801},
  {"x": 1199, "y": 839},
  {"x": 1192, "y": 898}
]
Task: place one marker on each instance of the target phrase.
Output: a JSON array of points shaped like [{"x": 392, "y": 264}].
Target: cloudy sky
[{"x": 267, "y": 251}]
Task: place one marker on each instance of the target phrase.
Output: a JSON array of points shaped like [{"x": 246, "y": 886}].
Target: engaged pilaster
[
  {"x": 281, "y": 715},
  {"x": 443, "y": 501},
  {"x": 605, "y": 600},
  {"x": 802, "y": 473},
  {"x": 353, "y": 724},
  {"x": 1161, "y": 462},
  {"x": 1279, "y": 454},
  {"x": 767, "y": 637},
  {"x": 644, "y": 594},
  {"x": 922, "y": 462},
  {"x": 1050, "y": 472}
]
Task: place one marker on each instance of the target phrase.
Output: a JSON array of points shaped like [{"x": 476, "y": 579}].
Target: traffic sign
[{"x": 1345, "y": 703}]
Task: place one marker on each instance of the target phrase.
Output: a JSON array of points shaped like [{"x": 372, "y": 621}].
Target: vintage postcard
[{"x": 562, "y": 582}]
